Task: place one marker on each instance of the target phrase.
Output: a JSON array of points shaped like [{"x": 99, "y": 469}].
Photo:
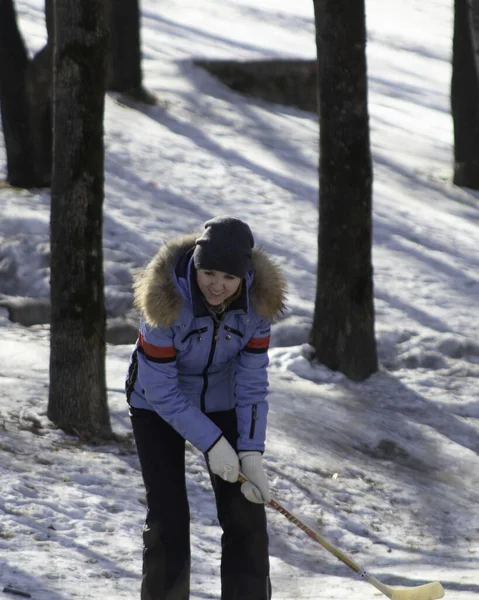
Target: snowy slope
[{"x": 387, "y": 469}]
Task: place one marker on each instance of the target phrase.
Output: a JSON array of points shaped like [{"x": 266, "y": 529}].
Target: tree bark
[
  {"x": 343, "y": 327},
  {"x": 25, "y": 98},
  {"x": 474, "y": 26},
  {"x": 465, "y": 97},
  {"x": 13, "y": 99},
  {"x": 124, "y": 72},
  {"x": 39, "y": 102},
  {"x": 77, "y": 400}
]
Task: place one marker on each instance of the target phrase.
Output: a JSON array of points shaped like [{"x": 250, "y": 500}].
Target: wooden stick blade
[{"x": 428, "y": 591}]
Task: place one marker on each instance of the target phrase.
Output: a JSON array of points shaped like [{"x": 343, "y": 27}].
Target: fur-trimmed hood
[{"x": 157, "y": 296}]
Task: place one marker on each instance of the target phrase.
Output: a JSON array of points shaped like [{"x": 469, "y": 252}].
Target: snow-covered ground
[{"x": 388, "y": 469}]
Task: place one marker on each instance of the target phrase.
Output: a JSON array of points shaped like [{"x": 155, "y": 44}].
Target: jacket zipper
[
  {"x": 208, "y": 365},
  {"x": 254, "y": 418}
]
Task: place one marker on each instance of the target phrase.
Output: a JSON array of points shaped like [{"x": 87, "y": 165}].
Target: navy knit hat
[{"x": 226, "y": 245}]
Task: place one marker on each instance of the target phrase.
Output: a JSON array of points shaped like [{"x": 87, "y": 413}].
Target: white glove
[
  {"x": 256, "y": 489},
  {"x": 223, "y": 460}
]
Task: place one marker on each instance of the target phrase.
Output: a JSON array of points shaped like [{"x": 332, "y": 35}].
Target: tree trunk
[
  {"x": 465, "y": 97},
  {"x": 343, "y": 328},
  {"x": 39, "y": 101},
  {"x": 474, "y": 26},
  {"x": 49, "y": 19},
  {"x": 13, "y": 100},
  {"x": 25, "y": 98},
  {"x": 124, "y": 57},
  {"x": 77, "y": 401}
]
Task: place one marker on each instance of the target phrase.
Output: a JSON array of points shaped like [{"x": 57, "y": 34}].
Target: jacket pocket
[
  {"x": 234, "y": 331},
  {"x": 194, "y": 332}
]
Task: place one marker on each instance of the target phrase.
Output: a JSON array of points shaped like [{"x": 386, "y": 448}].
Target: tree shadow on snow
[
  {"x": 11, "y": 576},
  {"x": 404, "y": 446}
]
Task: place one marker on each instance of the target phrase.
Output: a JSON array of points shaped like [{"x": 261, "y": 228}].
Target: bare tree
[
  {"x": 343, "y": 328},
  {"x": 26, "y": 86},
  {"x": 13, "y": 64},
  {"x": 22, "y": 106},
  {"x": 124, "y": 72},
  {"x": 474, "y": 25},
  {"x": 77, "y": 401},
  {"x": 465, "y": 93}
]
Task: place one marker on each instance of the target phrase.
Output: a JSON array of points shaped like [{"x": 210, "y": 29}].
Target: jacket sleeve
[
  {"x": 158, "y": 376},
  {"x": 251, "y": 387}
]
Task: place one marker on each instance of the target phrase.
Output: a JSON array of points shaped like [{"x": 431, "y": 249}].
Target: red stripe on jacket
[
  {"x": 153, "y": 351},
  {"x": 257, "y": 343}
]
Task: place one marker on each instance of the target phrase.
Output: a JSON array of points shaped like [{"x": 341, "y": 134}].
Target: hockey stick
[{"x": 428, "y": 591}]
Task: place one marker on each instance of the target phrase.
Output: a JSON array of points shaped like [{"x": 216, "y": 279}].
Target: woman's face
[{"x": 217, "y": 286}]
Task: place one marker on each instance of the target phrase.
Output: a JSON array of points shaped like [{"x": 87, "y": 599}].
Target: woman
[{"x": 199, "y": 373}]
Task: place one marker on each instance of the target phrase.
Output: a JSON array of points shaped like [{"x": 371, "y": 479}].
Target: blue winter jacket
[{"x": 185, "y": 366}]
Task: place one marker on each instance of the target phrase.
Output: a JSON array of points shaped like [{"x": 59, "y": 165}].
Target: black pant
[{"x": 166, "y": 536}]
